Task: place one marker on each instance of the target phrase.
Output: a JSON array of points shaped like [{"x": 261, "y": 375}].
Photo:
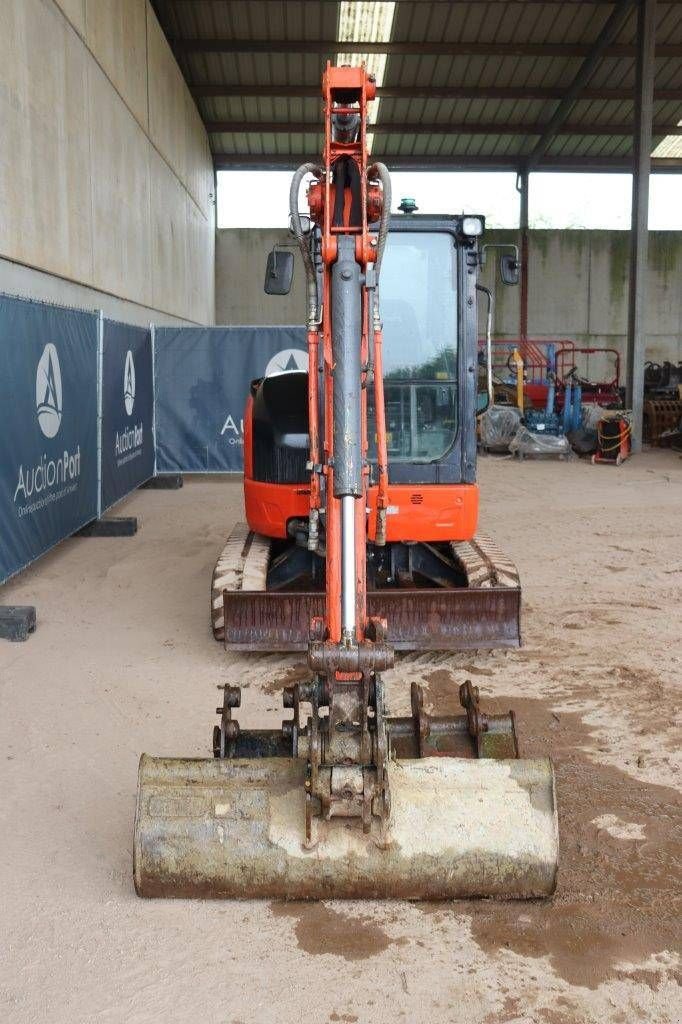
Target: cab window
[{"x": 418, "y": 297}]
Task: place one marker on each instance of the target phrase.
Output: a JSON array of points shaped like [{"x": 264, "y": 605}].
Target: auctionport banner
[
  {"x": 127, "y": 439},
  {"x": 48, "y": 440},
  {"x": 202, "y": 377}
]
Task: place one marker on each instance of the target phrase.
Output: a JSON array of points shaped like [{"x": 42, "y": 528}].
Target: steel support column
[
  {"x": 522, "y": 187},
  {"x": 639, "y": 228}
]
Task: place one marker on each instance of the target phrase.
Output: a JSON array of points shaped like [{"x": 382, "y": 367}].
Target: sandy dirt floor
[{"x": 123, "y": 662}]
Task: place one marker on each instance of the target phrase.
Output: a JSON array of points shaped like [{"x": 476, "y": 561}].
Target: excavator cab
[
  {"x": 430, "y": 350},
  {"x": 430, "y": 340}
]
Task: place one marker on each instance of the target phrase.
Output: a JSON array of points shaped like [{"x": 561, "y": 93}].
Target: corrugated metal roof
[{"x": 491, "y": 105}]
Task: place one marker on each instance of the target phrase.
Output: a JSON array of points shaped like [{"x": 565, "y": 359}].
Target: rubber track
[
  {"x": 484, "y": 563},
  {"x": 241, "y": 565}
]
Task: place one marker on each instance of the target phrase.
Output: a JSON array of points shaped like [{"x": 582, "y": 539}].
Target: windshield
[{"x": 418, "y": 293}]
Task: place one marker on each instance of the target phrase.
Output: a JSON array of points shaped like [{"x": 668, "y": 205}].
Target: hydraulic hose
[
  {"x": 310, "y": 275},
  {"x": 380, "y": 171}
]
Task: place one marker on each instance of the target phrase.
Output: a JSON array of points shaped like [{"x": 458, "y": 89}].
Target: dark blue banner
[
  {"x": 127, "y": 437},
  {"x": 202, "y": 377},
  {"x": 48, "y": 427}
]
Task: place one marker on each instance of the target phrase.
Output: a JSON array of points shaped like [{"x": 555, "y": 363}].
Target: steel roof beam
[
  {"x": 408, "y": 47},
  {"x": 434, "y": 128},
  {"x": 610, "y": 30},
  {"x": 436, "y": 92},
  {"x": 266, "y": 161}
]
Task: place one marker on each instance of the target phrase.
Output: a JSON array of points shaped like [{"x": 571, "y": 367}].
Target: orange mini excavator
[{"x": 362, "y": 507}]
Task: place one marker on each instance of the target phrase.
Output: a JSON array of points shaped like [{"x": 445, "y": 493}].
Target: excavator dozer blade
[
  {"x": 485, "y": 613},
  {"x": 418, "y": 619},
  {"x": 459, "y": 828}
]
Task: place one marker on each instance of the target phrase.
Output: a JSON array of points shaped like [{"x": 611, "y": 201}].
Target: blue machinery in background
[{"x": 572, "y": 411}]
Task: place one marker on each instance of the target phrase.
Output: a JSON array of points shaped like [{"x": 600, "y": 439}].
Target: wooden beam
[{"x": 433, "y": 128}]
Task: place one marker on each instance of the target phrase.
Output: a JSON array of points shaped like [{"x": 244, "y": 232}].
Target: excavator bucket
[{"x": 233, "y": 828}]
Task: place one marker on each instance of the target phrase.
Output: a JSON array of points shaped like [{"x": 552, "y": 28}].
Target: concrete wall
[
  {"x": 106, "y": 178},
  {"x": 240, "y": 255},
  {"x": 578, "y": 287}
]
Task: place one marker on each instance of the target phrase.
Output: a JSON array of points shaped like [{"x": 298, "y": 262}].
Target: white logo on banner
[
  {"x": 129, "y": 383},
  {"x": 49, "y": 391},
  {"x": 234, "y": 431},
  {"x": 128, "y": 444},
  {"x": 287, "y": 361},
  {"x": 49, "y": 479}
]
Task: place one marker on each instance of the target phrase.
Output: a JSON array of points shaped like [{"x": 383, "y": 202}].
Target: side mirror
[
  {"x": 509, "y": 269},
  {"x": 279, "y": 272}
]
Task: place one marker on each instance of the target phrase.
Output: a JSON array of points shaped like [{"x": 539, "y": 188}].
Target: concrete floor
[{"x": 123, "y": 662}]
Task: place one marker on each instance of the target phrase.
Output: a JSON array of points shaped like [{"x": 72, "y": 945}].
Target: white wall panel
[
  {"x": 120, "y": 195},
  {"x": 200, "y": 262},
  {"x": 167, "y": 100},
  {"x": 116, "y": 33},
  {"x": 199, "y": 172},
  {"x": 45, "y": 153},
  {"x": 169, "y": 239},
  {"x": 84, "y": 194},
  {"x": 75, "y": 12}
]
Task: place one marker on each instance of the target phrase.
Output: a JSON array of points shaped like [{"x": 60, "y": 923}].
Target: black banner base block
[
  {"x": 164, "y": 482},
  {"x": 17, "y": 621},
  {"x": 114, "y": 526}
]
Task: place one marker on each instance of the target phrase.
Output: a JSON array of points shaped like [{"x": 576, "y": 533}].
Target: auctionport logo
[
  {"x": 129, "y": 383},
  {"x": 287, "y": 361},
  {"x": 129, "y": 441},
  {"x": 49, "y": 391},
  {"x": 234, "y": 430},
  {"x": 55, "y": 476}
]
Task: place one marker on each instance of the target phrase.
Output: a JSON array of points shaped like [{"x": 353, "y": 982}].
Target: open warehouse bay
[{"x": 340, "y": 511}]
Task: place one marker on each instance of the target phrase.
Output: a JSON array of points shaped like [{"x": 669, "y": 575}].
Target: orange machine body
[
  {"x": 416, "y": 512},
  {"x": 412, "y": 512}
]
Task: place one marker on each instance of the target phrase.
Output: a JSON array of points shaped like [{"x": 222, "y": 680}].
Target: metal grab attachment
[
  {"x": 346, "y": 751},
  {"x": 334, "y": 740},
  {"x": 226, "y": 734}
]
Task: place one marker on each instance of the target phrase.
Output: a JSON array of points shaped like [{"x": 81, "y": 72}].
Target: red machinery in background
[
  {"x": 613, "y": 440},
  {"x": 568, "y": 363}
]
